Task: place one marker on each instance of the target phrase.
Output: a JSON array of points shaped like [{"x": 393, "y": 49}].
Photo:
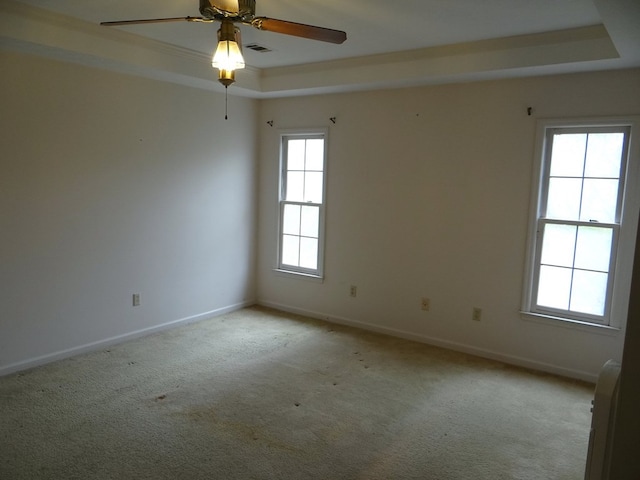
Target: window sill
[
  {"x": 571, "y": 324},
  {"x": 299, "y": 275}
]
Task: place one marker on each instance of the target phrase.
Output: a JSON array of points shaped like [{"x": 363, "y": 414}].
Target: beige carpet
[{"x": 257, "y": 394}]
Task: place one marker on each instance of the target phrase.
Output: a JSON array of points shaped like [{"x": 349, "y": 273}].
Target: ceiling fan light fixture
[
  {"x": 228, "y": 55},
  {"x": 226, "y": 77}
]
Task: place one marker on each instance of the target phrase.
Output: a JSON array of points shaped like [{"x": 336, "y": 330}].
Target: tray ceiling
[{"x": 389, "y": 44}]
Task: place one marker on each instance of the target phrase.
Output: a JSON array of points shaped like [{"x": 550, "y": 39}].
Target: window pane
[
  {"x": 558, "y": 245},
  {"x": 593, "y": 250},
  {"x": 315, "y": 154},
  {"x": 563, "y": 201},
  {"x": 310, "y": 221},
  {"x": 295, "y": 187},
  {"x": 295, "y": 155},
  {"x": 589, "y": 292},
  {"x": 309, "y": 253},
  {"x": 291, "y": 220},
  {"x": 604, "y": 154},
  {"x": 554, "y": 287},
  {"x": 567, "y": 156},
  {"x": 599, "y": 200},
  {"x": 313, "y": 187},
  {"x": 290, "y": 250}
]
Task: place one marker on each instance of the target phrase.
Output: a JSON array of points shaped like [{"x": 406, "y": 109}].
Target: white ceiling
[
  {"x": 431, "y": 41},
  {"x": 372, "y": 26}
]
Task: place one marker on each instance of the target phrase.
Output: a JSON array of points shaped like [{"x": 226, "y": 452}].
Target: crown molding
[{"x": 502, "y": 57}]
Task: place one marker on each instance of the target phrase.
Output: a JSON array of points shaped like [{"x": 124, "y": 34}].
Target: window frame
[
  {"x": 284, "y": 136},
  {"x": 624, "y": 228}
]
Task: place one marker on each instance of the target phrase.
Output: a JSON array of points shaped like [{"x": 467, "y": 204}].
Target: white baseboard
[
  {"x": 107, "y": 342},
  {"x": 438, "y": 342}
]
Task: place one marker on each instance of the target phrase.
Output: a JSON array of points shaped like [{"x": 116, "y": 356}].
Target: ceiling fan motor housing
[{"x": 241, "y": 10}]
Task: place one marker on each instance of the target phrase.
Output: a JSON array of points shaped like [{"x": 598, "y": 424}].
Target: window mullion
[
  {"x": 584, "y": 166},
  {"x": 573, "y": 264}
]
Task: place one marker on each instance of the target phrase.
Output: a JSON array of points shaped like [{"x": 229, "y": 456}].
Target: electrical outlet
[
  {"x": 426, "y": 304},
  {"x": 477, "y": 314},
  {"x": 136, "y": 299},
  {"x": 353, "y": 291}
]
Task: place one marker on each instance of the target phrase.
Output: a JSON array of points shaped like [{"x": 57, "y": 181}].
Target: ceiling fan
[{"x": 228, "y": 55}]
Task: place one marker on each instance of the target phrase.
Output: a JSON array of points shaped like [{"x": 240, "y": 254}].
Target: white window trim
[
  {"x": 317, "y": 275},
  {"x": 626, "y": 233}
]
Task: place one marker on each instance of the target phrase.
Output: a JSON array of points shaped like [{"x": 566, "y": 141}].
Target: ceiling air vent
[{"x": 257, "y": 48}]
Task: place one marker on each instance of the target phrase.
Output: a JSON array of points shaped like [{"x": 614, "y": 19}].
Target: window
[
  {"x": 580, "y": 213},
  {"x": 302, "y": 187}
]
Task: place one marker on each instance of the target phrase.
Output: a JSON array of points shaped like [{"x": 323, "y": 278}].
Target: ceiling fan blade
[
  {"x": 299, "y": 30},
  {"x": 157, "y": 20}
]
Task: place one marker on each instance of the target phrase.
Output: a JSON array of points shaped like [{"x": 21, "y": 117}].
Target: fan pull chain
[{"x": 225, "y": 103}]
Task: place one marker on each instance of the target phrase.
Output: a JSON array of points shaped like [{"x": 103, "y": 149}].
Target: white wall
[
  {"x": 113, "y": 185},
  {"x": 428, "y": 195}
]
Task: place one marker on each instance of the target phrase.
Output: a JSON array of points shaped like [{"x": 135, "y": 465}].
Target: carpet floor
[{"x": 260, "y": 394}]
